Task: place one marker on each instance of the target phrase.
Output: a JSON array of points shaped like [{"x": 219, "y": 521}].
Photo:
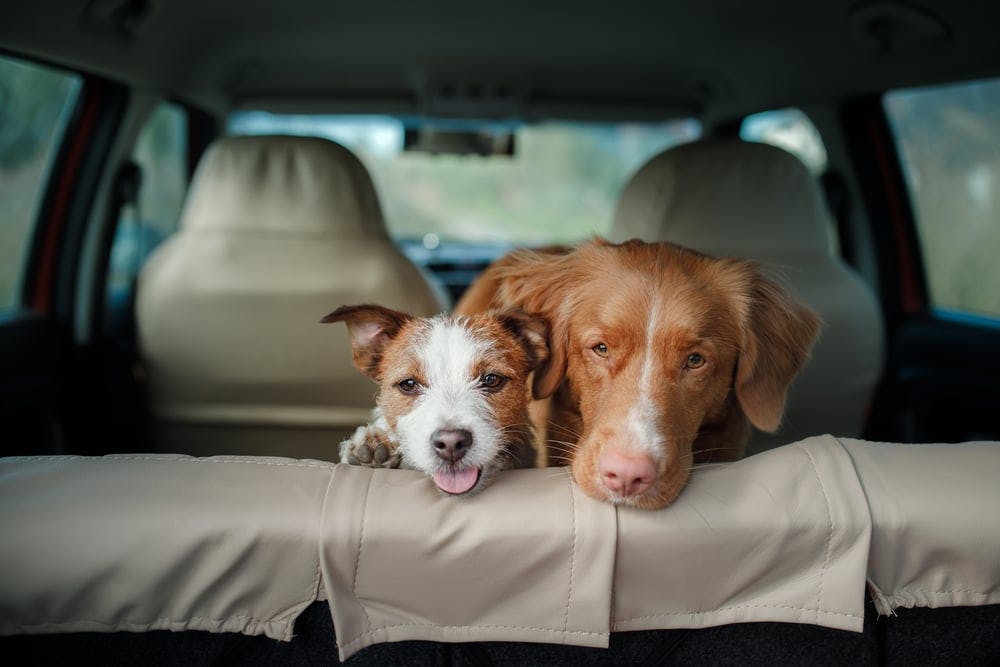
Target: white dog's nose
[{"x": 451, "y": 444}]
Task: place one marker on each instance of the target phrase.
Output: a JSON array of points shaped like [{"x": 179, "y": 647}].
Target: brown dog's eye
[
  {"x": 695, "y": 361},
  {"x": 600, "y": 350},
  {"x": 408, "y": 386},
  {"x": 492, "y": 381}
]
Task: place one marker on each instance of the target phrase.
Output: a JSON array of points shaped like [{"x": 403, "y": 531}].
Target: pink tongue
[{"x": 456, "y": 481}]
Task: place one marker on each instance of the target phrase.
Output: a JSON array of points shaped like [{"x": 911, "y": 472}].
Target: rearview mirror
[{"x": 436, "y": 141}]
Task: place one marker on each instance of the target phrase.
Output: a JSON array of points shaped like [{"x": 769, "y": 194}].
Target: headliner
[{"x": 527, "y": 60}]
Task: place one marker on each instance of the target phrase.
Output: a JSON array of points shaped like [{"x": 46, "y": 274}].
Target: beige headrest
[
  {"x": 698, "y": 195},
  {"x": 283, "y": 184}
]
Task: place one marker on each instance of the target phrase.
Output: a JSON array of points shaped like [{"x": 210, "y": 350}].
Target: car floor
[{"x": 959, "y": 635}]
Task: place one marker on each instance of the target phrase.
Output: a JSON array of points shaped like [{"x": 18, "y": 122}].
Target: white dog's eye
[
  {"x": 408, "y": 386},
  {"x": 492, "y": 381}
]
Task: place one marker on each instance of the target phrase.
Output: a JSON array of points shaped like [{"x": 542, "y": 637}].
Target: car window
[
  {"x": 790, "y": 129},
  {"x": 36, "y": 104},
  {"x": 161, "y": 155},
  {"x": 560, "y": 185},
  {"x": 948, "y": 138}
]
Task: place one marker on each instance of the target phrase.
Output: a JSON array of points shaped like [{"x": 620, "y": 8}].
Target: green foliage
[
  {"x": 31, "y": 101},
  {"x": 559, "y": 187},
  {"x": 949, "y": 141}
]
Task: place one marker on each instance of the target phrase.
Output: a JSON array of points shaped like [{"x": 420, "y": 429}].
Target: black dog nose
[{"x": 451, "y": 444}]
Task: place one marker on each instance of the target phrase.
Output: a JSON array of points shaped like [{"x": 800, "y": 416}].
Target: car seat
[{"x": 276, "y": 232}]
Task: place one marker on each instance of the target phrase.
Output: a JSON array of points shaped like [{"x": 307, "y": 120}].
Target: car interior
[{"x": 186, "y": 189}]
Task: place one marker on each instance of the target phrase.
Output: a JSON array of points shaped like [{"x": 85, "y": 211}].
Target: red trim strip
[
  {"x": 55, "y": 223},
  {"x": 911, "y": 300}
]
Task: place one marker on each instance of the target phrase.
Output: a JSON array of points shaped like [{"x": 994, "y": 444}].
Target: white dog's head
[{"x": 453, "y": 391}]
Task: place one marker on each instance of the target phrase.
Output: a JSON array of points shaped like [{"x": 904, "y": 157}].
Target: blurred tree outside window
[
  {"x": 161, "y": 153},
  {"x": 560, "y": 186},
  {"x": 36, "y": 104},
  {"x": 948, "y": 139}
]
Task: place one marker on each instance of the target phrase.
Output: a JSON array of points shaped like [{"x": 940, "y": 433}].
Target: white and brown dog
[{"x": 453, "y": 392}]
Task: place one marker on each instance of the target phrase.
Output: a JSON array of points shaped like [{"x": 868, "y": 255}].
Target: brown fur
[{"x": 753, "y": 337}]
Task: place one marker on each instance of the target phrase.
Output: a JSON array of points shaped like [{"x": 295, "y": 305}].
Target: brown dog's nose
[
  {"x": 626, "y": 474},
  {"x": 451, "y": 444}
]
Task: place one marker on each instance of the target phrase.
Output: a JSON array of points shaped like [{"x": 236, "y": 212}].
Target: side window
[
  {"x": 947, "y": 140},
  {"x": 790, "y": 129},
  {"x": 36, "y": 104},
  {"x": 160, "y": 176}
]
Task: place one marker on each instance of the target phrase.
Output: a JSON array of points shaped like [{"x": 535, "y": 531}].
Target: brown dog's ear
[
  {"x": 531, "y": 331},
  {"x": 778, "y": 333},
  {"x": 538, "y": 282},
  {"x": 541, "y": 282},
  {"x": 371, "y": 328}
]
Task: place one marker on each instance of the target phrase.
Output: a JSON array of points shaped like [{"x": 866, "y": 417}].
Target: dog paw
[{"x": 370, "y": 447}]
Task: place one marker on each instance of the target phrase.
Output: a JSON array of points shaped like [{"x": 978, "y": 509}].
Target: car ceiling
[{"x": 540, "y": 59}]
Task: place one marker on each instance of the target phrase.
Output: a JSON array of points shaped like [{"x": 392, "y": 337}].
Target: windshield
[{"x": 560, "y": 186}]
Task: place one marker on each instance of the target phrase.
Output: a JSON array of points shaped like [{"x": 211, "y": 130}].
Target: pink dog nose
[{"x": 626, "y": 474}]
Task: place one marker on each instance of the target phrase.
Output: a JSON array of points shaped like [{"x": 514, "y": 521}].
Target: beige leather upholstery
[
  {"x": 755, "y": 541},
  {"x": 276, "y": 233},
  {"x": 727, "y": 197},
  {"x": 243, "y": 544}
]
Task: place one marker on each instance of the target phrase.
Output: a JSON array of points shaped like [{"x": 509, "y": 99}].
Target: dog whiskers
[
  {"x": 702, "y": 466},
  {"x": 563, "y": 428}
]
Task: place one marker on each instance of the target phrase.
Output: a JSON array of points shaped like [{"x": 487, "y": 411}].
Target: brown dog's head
[{"x": 658, "y": 354}]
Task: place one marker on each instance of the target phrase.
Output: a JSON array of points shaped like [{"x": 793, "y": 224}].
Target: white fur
[
  {"x": 450, "y": 399},
  {"x": 643, "y": 417},
  {"x": 378, "y": 421}
]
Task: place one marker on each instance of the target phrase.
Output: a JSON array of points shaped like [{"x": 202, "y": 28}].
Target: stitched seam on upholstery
[
  {"x": 361, "y": 548},
  {"x": 356, "y": 638},
  {"x": 156, "y": 459},
  {"x": 161, "y": 619},
  {"x": 829, "y": 539},
  {"x": 740, "y": 606},
  {"x": 928, "y": 590},
  {"x": 319, "y": 539},
  {"x": 572, "y": 561},
  {"x": 312, "y": 592}
]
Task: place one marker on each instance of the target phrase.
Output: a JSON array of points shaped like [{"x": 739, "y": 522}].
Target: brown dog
[{"x": 659, "y": 358}]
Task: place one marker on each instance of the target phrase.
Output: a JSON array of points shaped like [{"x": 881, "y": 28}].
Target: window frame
[
  {"x": 878, "y": 170},
  {"x": 47, "y": 286},
  {"x": 945, "y": 313},
  {"x": 38, "y": 241},
  {"x": 199, "y": 133}
]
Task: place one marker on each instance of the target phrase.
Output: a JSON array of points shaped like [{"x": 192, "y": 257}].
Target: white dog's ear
[
  {"x": 371, "y": 328},
  {"x": 531, "y": 331}
]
